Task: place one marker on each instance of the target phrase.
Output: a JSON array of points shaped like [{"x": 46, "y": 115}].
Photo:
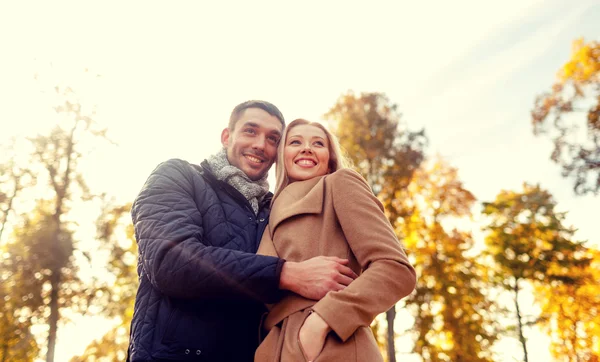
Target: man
[{"x": 202, "y": 287}]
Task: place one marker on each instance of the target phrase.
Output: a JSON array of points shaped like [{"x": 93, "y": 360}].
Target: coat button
[
  {"x": 262, "y": 219},
  {"x": 187, "y": 351},
  {"x": 198, "y": 352}
]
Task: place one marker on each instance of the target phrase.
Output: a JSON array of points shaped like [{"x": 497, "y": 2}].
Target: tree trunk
[
  {"x": 54, "y": 315},
  {"x": 60, "y": 187},
  {"x": 390, "y": 316},
  {"x": 520, "y": 323},
  {"x": 574, "y": 341}
]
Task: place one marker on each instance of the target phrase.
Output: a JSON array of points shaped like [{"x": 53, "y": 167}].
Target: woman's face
[{"x": 306, "y": 153}]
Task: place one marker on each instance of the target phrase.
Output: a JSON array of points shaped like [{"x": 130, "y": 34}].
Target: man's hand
[
  {"x": 312, "y": 336},
  {"x": 314, "y": 278}
]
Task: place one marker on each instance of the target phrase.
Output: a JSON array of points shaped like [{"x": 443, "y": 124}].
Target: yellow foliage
[
  {"x": 571, "y": 311},
  {"x": 576, "y": 139},
  {"x": 453, "y": 317},
  {"x": 584, "y": 65}
]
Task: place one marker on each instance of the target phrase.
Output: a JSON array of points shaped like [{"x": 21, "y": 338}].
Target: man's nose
[{"x": 259, "y": 142}]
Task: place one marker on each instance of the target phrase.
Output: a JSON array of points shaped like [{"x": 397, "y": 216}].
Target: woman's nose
[{"x": 307, "y": 148}]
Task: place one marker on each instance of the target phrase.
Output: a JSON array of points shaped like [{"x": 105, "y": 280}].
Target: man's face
[{"x": 252, "y": 145}]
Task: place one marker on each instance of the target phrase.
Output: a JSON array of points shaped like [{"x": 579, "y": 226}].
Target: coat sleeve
[
  {"x": 172, "y": 250},
  {"x": 387, "y": 274}
]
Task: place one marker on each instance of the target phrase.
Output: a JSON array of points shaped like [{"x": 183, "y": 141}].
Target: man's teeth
[
  {"x": 253, "y": 159},
  {"x": 306, "y": 163}
]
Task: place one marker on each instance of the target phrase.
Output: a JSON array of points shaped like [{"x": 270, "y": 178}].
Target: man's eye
[
  {"x": 273, "y": 139},
  {"x": 250, "y": 130}
]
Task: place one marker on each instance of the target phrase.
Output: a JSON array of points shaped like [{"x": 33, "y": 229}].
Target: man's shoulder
[
  {"x": 179, "y": 172},
  {"x": 176, "y": 167},
  {"x": 174, "y": 163}
]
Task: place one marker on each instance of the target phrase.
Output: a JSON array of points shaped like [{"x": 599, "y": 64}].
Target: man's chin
[{"x": 255, "y": 175}]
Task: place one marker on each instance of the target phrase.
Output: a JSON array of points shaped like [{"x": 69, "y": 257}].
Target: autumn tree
[
  {"x": 527, "y": 240},
  {"x": 570, "y": 305},
  {"x": 454, "y": 319},
  {"x": 383, "y": 150},
  {"x": 18, "y": 305},
  {"x": 17, "y": 344},
  {"x": 49, "y": 236},
  {"x": 16, "y": 341},
  {"x": 116, "y": 235},
  {"x": 557, "y": 114}
]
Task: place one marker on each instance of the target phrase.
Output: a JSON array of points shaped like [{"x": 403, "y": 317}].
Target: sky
[{"x": 164, "y": 77}]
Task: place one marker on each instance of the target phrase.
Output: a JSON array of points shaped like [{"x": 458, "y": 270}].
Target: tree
[
  {"x": 369, "y": 128},
  {"x": 52, "y": 240},
  {"x": 576, "y": 143},
  {"x": 570, "y": 306},
  {"x": 453, "y": 317},
  {"x": 16, "y": 299},
  {"x": 115, "y": 231},
  {"x": 527, "y": 241},
  {"x": 36, "y": 255}
]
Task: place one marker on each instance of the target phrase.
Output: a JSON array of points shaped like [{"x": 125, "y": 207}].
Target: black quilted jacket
[{"x": 202, "y": 289}]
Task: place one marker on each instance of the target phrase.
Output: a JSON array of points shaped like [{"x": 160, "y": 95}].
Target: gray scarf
[{"x": 253, "y": 191}]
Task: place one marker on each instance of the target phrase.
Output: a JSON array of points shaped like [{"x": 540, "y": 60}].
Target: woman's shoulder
[
  {"x": 344, "y": 173},
  {"x": 347, "y": 178}
]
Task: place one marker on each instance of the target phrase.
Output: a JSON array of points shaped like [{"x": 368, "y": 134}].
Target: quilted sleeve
[
  {"x": 172, "y": 251},
  {"x": 387, "y": 274}
]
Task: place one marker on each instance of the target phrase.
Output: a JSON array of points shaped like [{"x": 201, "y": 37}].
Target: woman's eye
[
  {"x": 294, "y": 142},
  {"x": 319, "y": 143}
]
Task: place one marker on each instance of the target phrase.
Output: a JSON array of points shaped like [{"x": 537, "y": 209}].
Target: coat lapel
[{"x": 302, "y": 197}]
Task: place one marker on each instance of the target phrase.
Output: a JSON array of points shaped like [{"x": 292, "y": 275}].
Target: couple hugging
[{"x": 231, "y": 272}]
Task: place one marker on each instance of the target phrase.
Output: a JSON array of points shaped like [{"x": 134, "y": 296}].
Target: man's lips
[{"x": 254, "y": 158}]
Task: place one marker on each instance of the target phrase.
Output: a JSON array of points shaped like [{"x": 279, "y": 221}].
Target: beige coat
[{"x": 334, "y": 215}]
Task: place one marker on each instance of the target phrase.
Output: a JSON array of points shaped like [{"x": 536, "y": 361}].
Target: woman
[{"x": 322, "y": 208}]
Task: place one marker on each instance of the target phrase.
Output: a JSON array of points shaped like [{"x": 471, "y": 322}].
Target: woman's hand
[{"x": 312, "y": 336}]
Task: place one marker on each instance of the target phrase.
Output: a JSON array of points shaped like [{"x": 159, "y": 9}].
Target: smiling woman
[{"x": 312, "y": 215}]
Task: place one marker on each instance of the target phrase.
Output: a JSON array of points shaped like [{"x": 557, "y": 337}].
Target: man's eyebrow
[
  {"x": 255, "y": 125},
  {"x": 250, "y": 124}
]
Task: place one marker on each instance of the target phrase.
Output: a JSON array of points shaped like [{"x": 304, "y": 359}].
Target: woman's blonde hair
[{"x": 337, "y": 159}]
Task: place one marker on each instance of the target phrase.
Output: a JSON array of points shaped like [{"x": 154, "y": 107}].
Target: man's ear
[{"x": 225, "y": 137}]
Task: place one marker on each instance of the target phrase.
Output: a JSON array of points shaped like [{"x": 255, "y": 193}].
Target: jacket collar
[
  {"x": 301, "y": 197},
  {"x": 206, "y": 172}
]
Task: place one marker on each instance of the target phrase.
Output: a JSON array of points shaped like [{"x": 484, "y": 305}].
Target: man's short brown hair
[{"x": 265, "y": 106}]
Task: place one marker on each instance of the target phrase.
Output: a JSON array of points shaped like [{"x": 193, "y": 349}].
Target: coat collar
[
  {"x": 301, "y": 197},
  {"x": 207, "y": 174}
]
